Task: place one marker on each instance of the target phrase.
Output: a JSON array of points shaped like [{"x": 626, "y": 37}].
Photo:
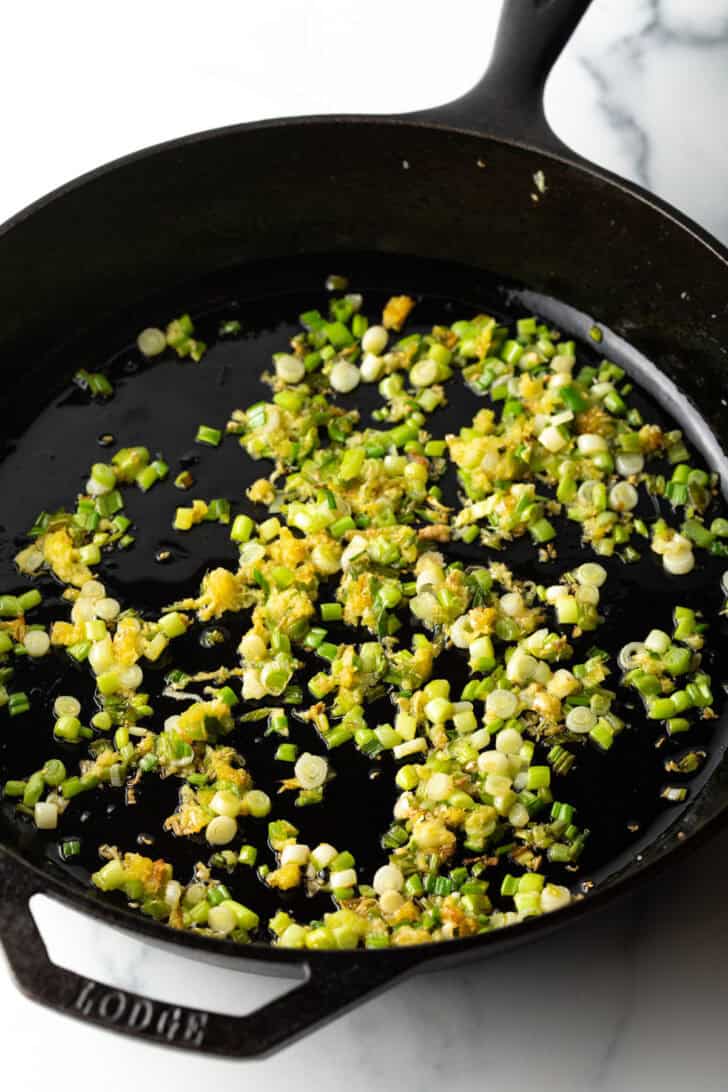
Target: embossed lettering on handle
[{"x": 120, "y": 1010}]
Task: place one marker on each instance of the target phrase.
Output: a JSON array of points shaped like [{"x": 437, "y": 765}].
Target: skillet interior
[
  {"x": 160, "y": 404},
  {"x": 244, "y": 195}
]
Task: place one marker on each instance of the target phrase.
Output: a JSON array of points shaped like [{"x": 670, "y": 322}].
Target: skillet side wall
[
  {"x": 202, "y": 205},
  {"x": 273, "y": 190}
]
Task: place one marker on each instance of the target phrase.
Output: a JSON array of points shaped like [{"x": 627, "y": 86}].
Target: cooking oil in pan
[{"x": 160, "y": 405}]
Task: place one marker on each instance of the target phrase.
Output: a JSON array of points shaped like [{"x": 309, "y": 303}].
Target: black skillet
[{"x": 454, "y": 185}]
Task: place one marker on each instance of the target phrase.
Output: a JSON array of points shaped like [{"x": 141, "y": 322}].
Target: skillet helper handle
[
  {"x": 508, "y": 100},
  {"x": 319, "y": 998}
]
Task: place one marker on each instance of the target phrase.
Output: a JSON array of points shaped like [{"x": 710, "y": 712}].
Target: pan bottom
[{"x": 160, "y": 405}]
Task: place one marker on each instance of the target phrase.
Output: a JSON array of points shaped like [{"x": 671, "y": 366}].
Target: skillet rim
[
  {"x": 400, "y": 960},
  {"x": 576, "y": 162}
]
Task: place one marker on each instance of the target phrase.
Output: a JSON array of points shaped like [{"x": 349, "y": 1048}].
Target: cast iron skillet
[{"x": 453, "y": 184}]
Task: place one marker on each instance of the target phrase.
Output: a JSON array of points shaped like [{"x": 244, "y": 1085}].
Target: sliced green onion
[{"x": 208, "y": 435}]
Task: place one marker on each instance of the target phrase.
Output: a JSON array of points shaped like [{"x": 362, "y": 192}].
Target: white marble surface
[{"x": 633, "y": 1000}]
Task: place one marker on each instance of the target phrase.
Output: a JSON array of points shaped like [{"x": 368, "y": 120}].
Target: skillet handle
[
  {"x": 323, "y": 995},
  {"x": 508, "y": 101}
]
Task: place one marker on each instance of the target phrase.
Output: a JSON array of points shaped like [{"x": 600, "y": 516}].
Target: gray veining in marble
[{"x": 655, "y": 73}]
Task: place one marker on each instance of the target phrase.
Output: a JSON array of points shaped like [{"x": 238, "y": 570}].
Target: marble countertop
[{"x": 633, "y": 999}]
